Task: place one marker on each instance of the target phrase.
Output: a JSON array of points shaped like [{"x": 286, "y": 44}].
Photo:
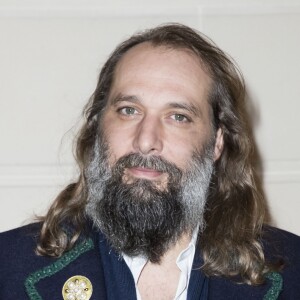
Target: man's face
[
  {"x": 151, "y": 168},
  {"x": 158, "y": 106}
]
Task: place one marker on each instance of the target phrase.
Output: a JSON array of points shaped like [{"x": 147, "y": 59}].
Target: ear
[{"x": 219, "y": 144}]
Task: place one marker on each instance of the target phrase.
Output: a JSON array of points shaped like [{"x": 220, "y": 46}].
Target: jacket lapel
[
  {"x": 198, "y": 285},
  {"x": 221, "y": 288},
  {"x": 47, "y": 283},
  {"x": 216, "y": 287},
  {"x": 118, "y": 278}
]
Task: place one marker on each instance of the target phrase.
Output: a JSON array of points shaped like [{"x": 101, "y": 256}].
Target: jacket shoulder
[
  {"x": 18, "y": 240},
  {"x": 18, "y": 257},
  {"x": 284, "y": 246},
  {"x": 280, "y": 243}
]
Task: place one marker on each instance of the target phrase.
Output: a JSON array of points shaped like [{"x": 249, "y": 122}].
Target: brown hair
[{"x": 235, "y": 212}]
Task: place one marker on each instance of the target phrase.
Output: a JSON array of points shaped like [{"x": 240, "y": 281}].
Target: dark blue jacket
[{"x": 24, "y": 275}]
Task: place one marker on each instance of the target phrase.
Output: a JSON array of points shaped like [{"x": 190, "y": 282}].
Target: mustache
[{"x": 156, "y": 163}]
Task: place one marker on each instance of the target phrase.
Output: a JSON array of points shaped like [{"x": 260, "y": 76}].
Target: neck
[
  {"x": 171, "y": 255},
  {"x": 160, "y": 281}
]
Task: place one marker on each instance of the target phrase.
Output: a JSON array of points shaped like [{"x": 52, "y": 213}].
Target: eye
[
  {"x": 127, "y": 110},
  {"x": 180, "y": 118}
]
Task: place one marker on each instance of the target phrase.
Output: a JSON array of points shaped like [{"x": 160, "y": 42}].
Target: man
[{"x": 166, "y": 205}]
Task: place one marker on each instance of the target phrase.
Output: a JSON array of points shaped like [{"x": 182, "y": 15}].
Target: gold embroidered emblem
[{"x": 77, "y": 288}]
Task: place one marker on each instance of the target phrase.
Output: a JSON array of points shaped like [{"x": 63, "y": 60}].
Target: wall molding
[
  {"x": 36, "y": 175},
  {"x": 275, "y": 172},
  {"x": 281, "y": 171},
  {"x": 96, "y": 11}
]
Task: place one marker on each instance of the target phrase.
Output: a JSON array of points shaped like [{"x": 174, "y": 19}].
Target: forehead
[{"x": 163, "y": 70}]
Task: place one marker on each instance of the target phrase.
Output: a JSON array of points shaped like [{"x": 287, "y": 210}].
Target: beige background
[{"x": 50, "y": 56}]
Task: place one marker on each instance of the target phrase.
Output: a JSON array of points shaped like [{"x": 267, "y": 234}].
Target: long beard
[{"x": 141, "y": 218}]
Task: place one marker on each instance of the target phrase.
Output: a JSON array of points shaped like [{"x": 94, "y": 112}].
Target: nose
[{"x": 148, "y": 136}]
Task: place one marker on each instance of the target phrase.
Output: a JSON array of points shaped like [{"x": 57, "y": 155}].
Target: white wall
[{"x": 50, "y": 56}]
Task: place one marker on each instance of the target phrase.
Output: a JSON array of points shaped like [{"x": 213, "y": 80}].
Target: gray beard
[{"x": 139, "y": 218}]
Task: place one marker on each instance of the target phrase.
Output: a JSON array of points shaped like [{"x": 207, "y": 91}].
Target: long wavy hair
[{"x": 231, "y": 242}]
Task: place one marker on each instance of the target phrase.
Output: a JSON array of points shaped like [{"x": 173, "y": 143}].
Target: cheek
[
  {"x": 118, "y": 140},
  {"x": 182, "y": 147},
  {"x": 179, "y": 149}
]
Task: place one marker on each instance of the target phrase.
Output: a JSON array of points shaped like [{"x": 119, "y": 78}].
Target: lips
[{"x": 146, "y": 173}]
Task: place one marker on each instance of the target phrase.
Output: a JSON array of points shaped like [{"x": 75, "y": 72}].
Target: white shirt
[{"x": 184, "y": 262}]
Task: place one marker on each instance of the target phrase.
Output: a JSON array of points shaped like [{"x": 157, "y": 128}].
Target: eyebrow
[
  {"x": 196, "y": 111},
  {"x": 121, "y": 98}
]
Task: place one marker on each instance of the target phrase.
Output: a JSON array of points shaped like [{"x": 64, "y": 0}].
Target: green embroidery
[
  {"x": 276, "y": 287},
  {"x": 58, "y": 265}
]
